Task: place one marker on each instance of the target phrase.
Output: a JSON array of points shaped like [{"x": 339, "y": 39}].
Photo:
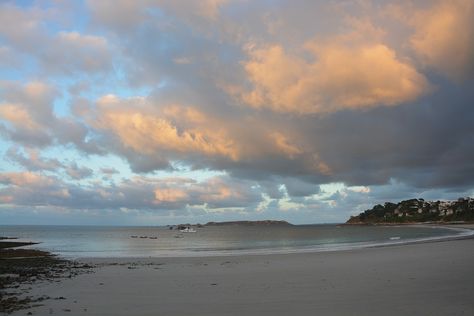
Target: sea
[{"x": 74, "y": 242}]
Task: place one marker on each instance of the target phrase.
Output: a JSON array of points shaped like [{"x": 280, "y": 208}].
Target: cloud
[
  {"x": 284, "y": 144},
  {"x": 8, "y": 59},
  {"x": 27, "y": 111},
  {"x": 33, "y": 160},
  {"x": 276, "y": 98},
  {"x": 72, "y": 52},
  {"x": 21, "y": 27},
  {"x": 338, "y": 77},
  {"x": 77, "y": 173},
  {"x": 124, "y": 15},
  {"x": 214, "y": 193},
  {"x": 444, "y": 38},
  {"x": 66, "y": 52},
  {"x": 18, "y": 116},
  {"x": 109, "y": 171},
  {"x": 207, "y": 9},
  {"x": 147, "y": 134},
  {"x": 152, "y": 135},
  {"x": 162, "y": 195},
  {"x": 120, "y": 14}
]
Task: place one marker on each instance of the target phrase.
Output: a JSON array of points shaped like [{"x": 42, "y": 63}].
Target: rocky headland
[{"x": 417, "y": 211}]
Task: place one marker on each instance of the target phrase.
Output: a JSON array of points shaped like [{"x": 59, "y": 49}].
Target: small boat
[{"x": 187, "y": 230}]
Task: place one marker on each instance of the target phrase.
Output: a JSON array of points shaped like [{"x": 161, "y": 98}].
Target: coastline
[
  {"x": 428, "y": 278},
  {"x": 463, "y": 231}
]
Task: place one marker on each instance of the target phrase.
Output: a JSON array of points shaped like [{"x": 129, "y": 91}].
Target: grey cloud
[
  {"x": 109, "y": 171},
  {"x": 33, "y": 161},
  {"x": 26, "y": 137},
  {"x": 76, "y": 172},
  {"x": 427, "y": 143},
  {"x": 140, "y": 193},
  {"x": 38, "y": 126},
  {"x": 120, "y": 15},
  {"x": 298, "y": 187}
]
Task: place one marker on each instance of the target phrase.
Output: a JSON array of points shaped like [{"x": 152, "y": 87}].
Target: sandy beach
[{"x": 419, "y": 279}]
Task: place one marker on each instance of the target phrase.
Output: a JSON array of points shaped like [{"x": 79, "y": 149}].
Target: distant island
[
  {"x": 250, "y": 223},
  {"x": 417, "y": 210},
  {"x": 232, "y": 223}
]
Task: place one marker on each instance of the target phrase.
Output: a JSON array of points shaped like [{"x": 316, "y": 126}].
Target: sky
[{"x": 155, "y": 112}]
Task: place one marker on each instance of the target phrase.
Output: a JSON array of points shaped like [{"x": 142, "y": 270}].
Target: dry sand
[{"x": 419, "y": 279}]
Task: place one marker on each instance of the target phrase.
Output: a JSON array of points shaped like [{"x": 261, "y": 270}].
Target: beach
[{"x": 433, "y": 278}]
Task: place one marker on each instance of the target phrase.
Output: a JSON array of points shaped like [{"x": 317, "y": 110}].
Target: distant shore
[
  {"x": 416, "y": 279},
  {"x": 250, "y": 223}
]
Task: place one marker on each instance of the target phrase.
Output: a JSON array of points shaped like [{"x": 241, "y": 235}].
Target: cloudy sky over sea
[{"x": 155, "y": 112}]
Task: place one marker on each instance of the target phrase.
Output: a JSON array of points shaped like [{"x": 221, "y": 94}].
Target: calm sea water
[{"x": 94, "y": 241}]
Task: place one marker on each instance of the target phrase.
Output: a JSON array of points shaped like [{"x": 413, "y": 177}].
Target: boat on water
[{"x": 187, "y": 230}]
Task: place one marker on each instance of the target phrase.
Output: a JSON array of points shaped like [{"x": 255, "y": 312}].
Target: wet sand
[
  {"x": 418, "y": 279},
  {"x": 21, "y": 268}
]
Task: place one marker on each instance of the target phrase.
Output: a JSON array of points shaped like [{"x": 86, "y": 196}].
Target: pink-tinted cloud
[
  {"x": 24, "y": 179},
  {"x": 148, "y": 133},
  {"x": 338, "y": 76},
  {"x": 444, "y": 37}
]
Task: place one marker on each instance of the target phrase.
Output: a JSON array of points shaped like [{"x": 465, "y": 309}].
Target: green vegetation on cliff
[{"x": 418, "y": 210}]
